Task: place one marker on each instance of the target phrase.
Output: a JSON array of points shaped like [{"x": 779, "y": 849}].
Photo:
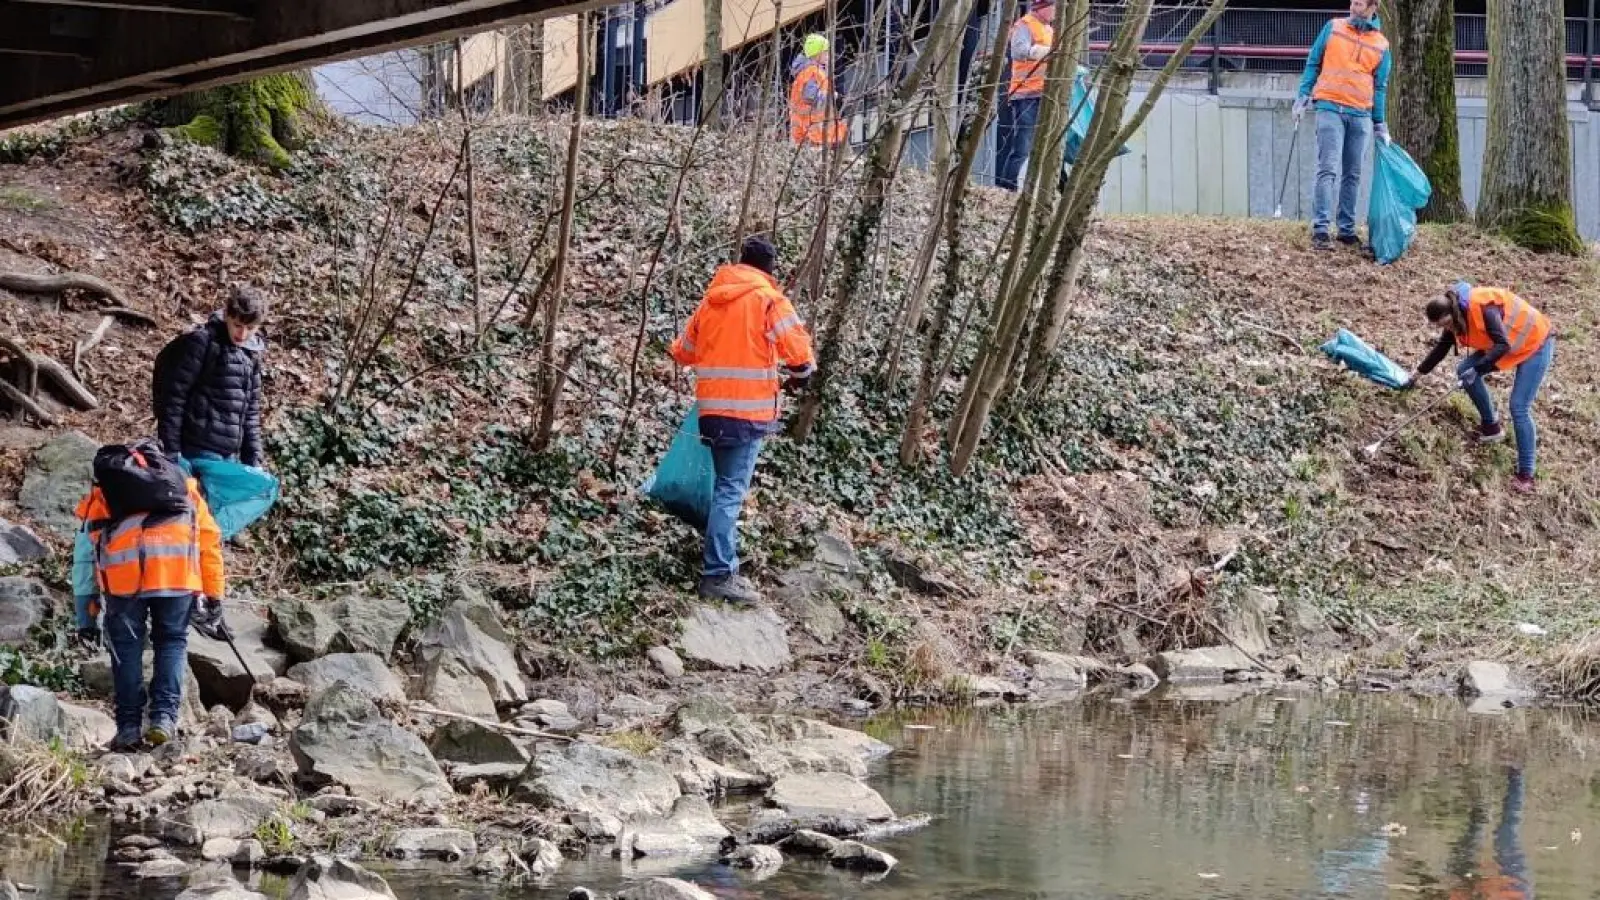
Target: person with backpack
[
  {"x": 206, "y": 389},
  {"x": 150, "y": 559}
]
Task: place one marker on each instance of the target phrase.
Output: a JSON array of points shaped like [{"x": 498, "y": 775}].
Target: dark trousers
[{"x": 1019, "y": 118}]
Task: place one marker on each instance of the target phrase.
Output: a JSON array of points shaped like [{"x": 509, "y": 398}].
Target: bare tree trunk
[
  {"x": 526, "y": 66},
  {"x": 759, "y": 131},
  {"x": 883, "y": 158},
  {"x": 1422, "y": 98},
  {"x": 1527, "y": 174},
  {"x": 711, "y": 74},
  {"x": 551, "y": 376}
]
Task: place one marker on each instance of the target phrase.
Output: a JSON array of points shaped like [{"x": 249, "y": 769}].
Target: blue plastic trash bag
[
  {"x": 1364, "y": 361},
  {"x": 237, "y": 494},
  {"x": 684, "y": 479},
  {"x": 1399, "y": 189},
  {"x": 1078, "y": 131}
]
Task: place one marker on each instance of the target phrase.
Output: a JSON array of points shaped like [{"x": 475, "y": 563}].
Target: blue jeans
[
  {"x": 1016, "y": 140},
  {"x": 1341, "y": 143},
  {"x": 735, "y": 464},
  {"x": 125, "y": 629},
  {"x": 1530, "y": 375}
]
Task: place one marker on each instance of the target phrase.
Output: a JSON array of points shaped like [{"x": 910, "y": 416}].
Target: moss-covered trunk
[
  {"x": 262, "y": 120},
  {"x": 1422, "y": 98},
  {"x": 1527, "y": 166}
]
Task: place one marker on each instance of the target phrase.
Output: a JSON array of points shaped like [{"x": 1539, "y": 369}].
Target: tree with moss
[
  {"x": 1422, "y": 98},
  {"x": 261, "y": 120},
  {"x": 1527, "y": 168}
]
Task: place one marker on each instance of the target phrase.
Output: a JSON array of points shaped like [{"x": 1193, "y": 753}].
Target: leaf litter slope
[{"x": 1189, "y": 423}]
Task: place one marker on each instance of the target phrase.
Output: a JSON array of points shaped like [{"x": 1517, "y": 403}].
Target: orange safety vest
[
  {"x": 146, "y": 555},
  {"x": 1350, "y": 61},
  {"x": 808, "y": 122},
  {"x": 735, "y": 340},
  {"x": 1526, "y": 327},
  {"x": 1027, "y": 75}
]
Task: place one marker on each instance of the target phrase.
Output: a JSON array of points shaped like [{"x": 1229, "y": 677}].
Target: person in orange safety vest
[
  {"x": 1347, "y": 79},
  {"x": 813, "y": 112},
  {"x": 1031, "y": 38},
  {"x": 746, "y": 344},
  {"x": 1505, "y": 333},
  {"x": 155, "y": 572}
]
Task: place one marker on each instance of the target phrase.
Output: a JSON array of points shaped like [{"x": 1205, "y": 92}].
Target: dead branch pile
[{"x": 41, "y": 781}]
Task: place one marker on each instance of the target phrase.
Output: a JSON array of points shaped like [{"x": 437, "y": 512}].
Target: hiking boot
[
  {"x": 1522, "y": 484},
  {"x": 159, "y": 733},
  {"x": 732, "y": 588},
  {"x": 1320, "y": 241},
  {"x": 126, "y": 739},
  {"x": 1491, "y": 433},
  {"x": 1349, "y": 240}
]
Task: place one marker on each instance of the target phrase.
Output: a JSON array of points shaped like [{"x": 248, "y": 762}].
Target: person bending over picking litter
[
  {"x": 1347, "y": 78},
  {"x": 744, "y": 331},
  {"x": 1504, "y": 332},
  {"x": 156, "y": 564}
]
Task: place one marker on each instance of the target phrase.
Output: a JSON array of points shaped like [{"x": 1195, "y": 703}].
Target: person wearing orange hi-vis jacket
[{"x": 746, "y": 344}]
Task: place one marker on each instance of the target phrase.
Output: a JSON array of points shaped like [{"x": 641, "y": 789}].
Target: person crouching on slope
[
  {"x": 744, "y": 331},
  {"x": 153, "y": 557},
  {"x": 1504, "y": 332}
]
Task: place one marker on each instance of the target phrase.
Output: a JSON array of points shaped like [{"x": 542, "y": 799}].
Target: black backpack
[{"x": 138, "y": 478}]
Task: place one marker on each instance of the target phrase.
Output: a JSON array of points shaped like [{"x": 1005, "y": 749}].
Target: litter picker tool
[
  {"x": 1277, "y": 211},
  {"x": 1371, "y": 450}
]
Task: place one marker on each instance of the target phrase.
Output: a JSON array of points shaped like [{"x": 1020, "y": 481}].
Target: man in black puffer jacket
[{"x": 207, "y": 386}]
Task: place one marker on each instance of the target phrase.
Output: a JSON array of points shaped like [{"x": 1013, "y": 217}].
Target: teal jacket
[{"x": 1380, "y": 78}]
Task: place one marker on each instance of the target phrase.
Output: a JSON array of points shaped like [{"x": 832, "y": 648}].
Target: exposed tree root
[
  {"x": 22, "y": 388},
  {"x": 24, "y": 283}
]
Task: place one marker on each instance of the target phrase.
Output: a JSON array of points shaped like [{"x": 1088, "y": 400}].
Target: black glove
[
  {"x": 206, "y": 617},
  {"x": 797, "y": 383}
]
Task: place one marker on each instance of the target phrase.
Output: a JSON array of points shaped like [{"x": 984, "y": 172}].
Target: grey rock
[
  {"x": 991, "y": 686},
  {"x": 371, "y": 624},
  {"x": 1138, "y": 676},
  {"x": 582, "y": 893},
  {"x": 1060, "y": 672},
  {"x": 306, "y": 629},
  {"x": 30, "y": 714},
  {"x": 752, "y": 639},
  {"x": 828, "y": 794},
  {"x": 698, "y": 774},
  {"x": 585, "y": 778},
  {"x": 816, "y": 611},
  {"x": 666, "y": 661},
  {"x": 470, "y": 631},
  {"x": 805, "y": 842},
  {"x": 558, "y": 724},
  {"x": 770, "y": 747},
  {"x": 494, "y": 776},
  {"x": 754, "y": 856},
  {"x": 541, "y": 856},
  {"x": 19, "y": 545},
  {"x": 595, "y": 826},
  {"x": 1206, "y": 664},
  {"x": 691, "y": 829},
  {"x": 1246, "y": 619},
  {"x": 253, "y": 733},
  {"x": 1305, "y": 618},
  {"x": 629, "y": 706},
  {"x": 140, "y": 842},
  {"x": 219, "y": 848},
  {"x": 256, "y": 714},
  {"x": 249, "y": 854},
  {"x": 912, "y": 575},
  {"x": 496, "y": 863},
  {"x": 546, "y": 707},
  {"x": 472, "y": 744},
  {"x": 24, "y": 604},
  {"x": 1483, "y": 678},
  {"x": 284, "y": 693},
  {"x": 219, "y": 722},
  {"x": 161, "y": 868},
  {"x": 336, "y": 805},
  {"x": 665, "y": 889},
  {"x": 236, "y": 816},
  {"x": 221, "y": 889},
  {"x": 859, "y": 857},
  {"x": 448, "y": 844},
  {"x": 835, "y": 553},
  {"x": 449, "y": 685},
  {"x": 58, "y": 477},
  {"x": 85, "y": 728},
  {"x": 118, "y": 766},
  {"x": 267, "y": 765},
  {"x": 367, "y": 674},
  {"x": 344, "y": 739},
  {"x": 221, "y": 678},
  {"x": 329, "y": 878}
]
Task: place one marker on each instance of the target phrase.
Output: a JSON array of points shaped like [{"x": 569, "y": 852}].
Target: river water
[{"x": 1170, "y": 796}]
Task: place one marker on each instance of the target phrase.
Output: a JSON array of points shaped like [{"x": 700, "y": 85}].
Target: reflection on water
[{"x": 1166, "y": 797}]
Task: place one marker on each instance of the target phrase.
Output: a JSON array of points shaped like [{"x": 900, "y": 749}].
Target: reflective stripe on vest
[
  {"x": 808, "y": 122},
  {"x": 1526, "y": 327},
  {"x": 1350, "y": 61},
  {"x": 1027, "y": 75},
  {"x": 137, "y": 557}
]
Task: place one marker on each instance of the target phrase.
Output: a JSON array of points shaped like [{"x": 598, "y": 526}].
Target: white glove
[
  {"x": 1381, "y": 132},
  {"x": 1038, "y": 52},
  {"x": 1300, "y": 104}
]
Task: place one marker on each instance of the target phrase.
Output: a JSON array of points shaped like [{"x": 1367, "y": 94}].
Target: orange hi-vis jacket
[
  {"x": 744, "y": 328},
  {"x": 808, "y": 121},
  {"x": 1027, "y": 75},
  {"x": 151, "y": 556},
  {"x": 1350, "y": 65},
  {"x": 1526, "y": 327}
]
